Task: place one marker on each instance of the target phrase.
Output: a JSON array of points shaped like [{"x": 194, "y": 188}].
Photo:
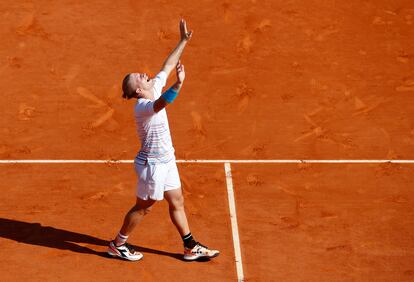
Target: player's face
[{"x": 142, "y": 81}]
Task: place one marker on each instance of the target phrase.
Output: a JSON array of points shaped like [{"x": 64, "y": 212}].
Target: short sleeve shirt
[{"x": 153, "y": 129}]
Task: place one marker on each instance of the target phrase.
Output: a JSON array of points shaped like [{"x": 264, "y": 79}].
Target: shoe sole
[{"x": 192, "y": 258}]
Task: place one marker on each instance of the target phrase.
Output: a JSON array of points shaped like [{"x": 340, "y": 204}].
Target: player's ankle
[
  {"x": 120, "y": 239},
  {"x": 189, "y": 241}
]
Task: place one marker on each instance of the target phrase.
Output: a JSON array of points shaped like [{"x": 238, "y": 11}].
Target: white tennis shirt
[{"x": 153, "y": 129}]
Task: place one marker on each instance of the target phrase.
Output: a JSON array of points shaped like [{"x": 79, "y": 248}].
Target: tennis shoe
[
  {"x": 124, "y": 251},
  {"x": 199, "y": 251}
]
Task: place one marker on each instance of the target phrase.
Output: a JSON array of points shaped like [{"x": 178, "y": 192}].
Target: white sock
[{"x": 120, "y": 239}]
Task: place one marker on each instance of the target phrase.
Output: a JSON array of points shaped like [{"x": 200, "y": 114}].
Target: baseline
[{"x": 113, "y": 161}]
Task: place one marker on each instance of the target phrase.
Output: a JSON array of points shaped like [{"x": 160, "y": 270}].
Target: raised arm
[{"x": 175, "y": 55}]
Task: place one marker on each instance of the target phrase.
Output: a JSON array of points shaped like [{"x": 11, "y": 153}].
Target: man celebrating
[{"x": 155, "y": 165}]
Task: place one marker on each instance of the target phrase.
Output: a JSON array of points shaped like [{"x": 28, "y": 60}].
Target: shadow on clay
[{"x": 46, "y": 236}]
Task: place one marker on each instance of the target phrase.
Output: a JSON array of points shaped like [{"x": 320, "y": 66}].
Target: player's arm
[
  {"x": 169, "y": 96},
  {"x": 175, "y": 55}
]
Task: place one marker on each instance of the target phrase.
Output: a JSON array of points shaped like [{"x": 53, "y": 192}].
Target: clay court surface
[{"x": 266, "y": 80}]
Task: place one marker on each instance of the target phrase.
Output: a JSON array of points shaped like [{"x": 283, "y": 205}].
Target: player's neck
[{"x": 148, "y": 94}]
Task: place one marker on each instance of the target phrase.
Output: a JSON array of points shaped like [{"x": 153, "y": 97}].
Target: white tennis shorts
[{"x": 155, "y": 179}]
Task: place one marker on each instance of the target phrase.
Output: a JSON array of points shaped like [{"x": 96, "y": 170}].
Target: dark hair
[{"x": 127, "y": 92}]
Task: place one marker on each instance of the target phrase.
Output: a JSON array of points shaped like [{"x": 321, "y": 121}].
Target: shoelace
[
  {"x": 201, "y": 245},
  {"x": 130, "y": 249}
]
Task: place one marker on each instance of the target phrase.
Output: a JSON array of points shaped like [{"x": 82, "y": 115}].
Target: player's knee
[
  {"x": 143, "y": 207},
  {"x": 143, "y": 210},
  {"x": 147, "y": 210},
  {"x": 178, "y": 202}
]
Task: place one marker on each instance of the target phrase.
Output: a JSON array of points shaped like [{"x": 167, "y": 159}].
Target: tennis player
[{"x": 155, "y": 164}]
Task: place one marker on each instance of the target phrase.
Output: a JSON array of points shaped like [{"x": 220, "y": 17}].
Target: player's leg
[
  {"x": 175, "y": 201},
  {"x": 135, "y": 216},
  {"x": 174, "y": 196},
  {"x": 119, "y": 247},
  {"x": 192, "y": 249},
  {"x": 149, "y": 189},
  {"x": 147, "y": 194}
]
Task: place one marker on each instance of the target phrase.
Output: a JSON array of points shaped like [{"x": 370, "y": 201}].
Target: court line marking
[
  {"x": 234, "y": 225},
  {"x": 229, "y": 181},
  {"x": 113, "y": 161}
]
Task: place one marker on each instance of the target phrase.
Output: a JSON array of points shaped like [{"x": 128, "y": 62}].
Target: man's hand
[
  {"x": 185, "y": 35},
  {"x": 174, "y": 57},
  {"x": 162, "y": 102},
  {"x": 179, "y": 69}
]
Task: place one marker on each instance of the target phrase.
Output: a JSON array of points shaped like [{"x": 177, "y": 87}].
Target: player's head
[{"x": 136, "y": 85}]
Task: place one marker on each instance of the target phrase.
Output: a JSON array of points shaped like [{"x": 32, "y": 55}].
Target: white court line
[
  {"x": 208, "y": 161},
  {"x": 234, "y": 226}
]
